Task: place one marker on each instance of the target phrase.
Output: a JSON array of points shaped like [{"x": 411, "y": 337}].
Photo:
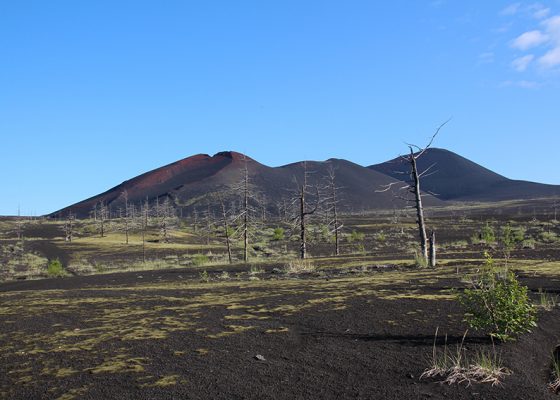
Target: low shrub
[
  {"x": 200, "y": 259},
  {"x": 419, "y": 260},
  {"x": 528, "y": 244},
  {"x": 204, "y": 277},
  {"x": 487, "y": 234},
  {"x": 548, "y": 237},
  {"x": 278, "y": 234},
  {"x": 55, "y": 269},
  {"x": 299, "y": 266},
  {"x": 498, "y": 302}
]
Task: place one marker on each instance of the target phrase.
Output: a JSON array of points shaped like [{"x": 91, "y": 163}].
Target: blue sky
[{"x": 94, "y": 93}]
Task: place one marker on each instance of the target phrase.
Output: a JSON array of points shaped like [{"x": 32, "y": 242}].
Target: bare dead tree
[
  {"x": 301, "y": 198},
  {"x": 245, "y": 213},
  {"x": 19, "y": 224},
  {"x": 69, "y": 227},
  {"x": 166, "y": 216},
  {"x": 101, "y": 214},
  {"x": 144, "y": 215},
  {"x": 247, "y": 216},
  {"x": 195, "y": 219},
  {"x": 208, "y": 221},
  {"x": 127, "y": 216},
  {"x": 413, "y": 187},
  {"x": 227, "y": 228},
  {"x": 332, "y": 201}
]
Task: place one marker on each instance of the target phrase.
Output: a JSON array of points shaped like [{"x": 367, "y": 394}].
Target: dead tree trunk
[
  {"x": 226, "y": 229},
  {"x": 126, "y": 216},
  {"x": 69, "y": 227},
  {"x": 333, "y": 208},
  {"x": 433, "y": 260},
  {"x": 246, "y": 214},
  {"x": 101, "y": 216},
  {"x": 144, "y": 224},
  {"x": 413, "y": 186},
  {"x": 304, "y": 211},
  {"x": 418, "y": 204}
]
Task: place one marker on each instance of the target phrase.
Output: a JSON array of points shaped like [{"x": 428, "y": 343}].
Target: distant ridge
[
  {"x": 459, "y": 179},
  {"x": 192, "y": 181}
]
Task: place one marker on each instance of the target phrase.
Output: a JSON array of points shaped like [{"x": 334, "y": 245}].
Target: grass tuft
[
  {"x": 546, "y": 300},
  {"x": 485, "y": 367},
  {"x": 555, "y": 384},
  {"x": 299, "y": 266}
]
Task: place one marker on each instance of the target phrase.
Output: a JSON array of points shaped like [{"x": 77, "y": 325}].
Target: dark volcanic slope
[
  {"x": 191, "y": 182},
  {"x": 457, "y": 178}
]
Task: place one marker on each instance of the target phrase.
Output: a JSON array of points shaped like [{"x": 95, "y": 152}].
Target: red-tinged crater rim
[{"x": 234, "y": 155}]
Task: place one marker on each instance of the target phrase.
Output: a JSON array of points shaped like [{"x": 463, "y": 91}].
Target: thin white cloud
[
  {"x": 529, "y": 39},
  {"x": 521, "y": 84},
  {"x": 486, "y": 58},
  {"x": 551, "y": 59},
  {"x": 538, "y": 11},
  {"x": 512, "y": 9},
  {"x": 552, "y": 26},
  {"x": 520, "y": 64}
]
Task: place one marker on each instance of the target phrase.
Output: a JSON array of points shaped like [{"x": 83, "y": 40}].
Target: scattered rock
[
  {"x": 410, "y": 376},
  {"x": 276, "y": 271},
  {"x": 260, "y": 357}
]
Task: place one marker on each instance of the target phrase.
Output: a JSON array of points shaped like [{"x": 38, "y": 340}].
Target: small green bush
[
  {"x": 487, "y": 234},
  {"x": 204, "y": 277},
  {"x": 528, "y": 244},
  {"x": 419, "y": 260},
  {"x": 356, "y": 236},
  {"x": 548, "y": 237},
  {"x": 381, "y": 237},
  {"x": 200, "y": 259},
  {"x": 498, "y": 302},
  {"x": 54, "y": 269},
  {"x": 278, "y": 234}
]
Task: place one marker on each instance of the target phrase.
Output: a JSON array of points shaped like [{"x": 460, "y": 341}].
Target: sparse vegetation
[
  {"x": 498, "y": 302},
  {"x": 419, "y": 260},
  {"x": 299, "y": 266},
  {"x": 204, "y": 276},
  {"x": 200, "y": 260},
  {"x": 54, "y": 269},
  {"x": 487, "y": 234},
  {"x": 548, "y": 237},
  {"x": 546, "y": 300},
  {"x": 278, "y": 234},
  {"x": 555, "y": 381},
  {"x": 456, "y": 367}
]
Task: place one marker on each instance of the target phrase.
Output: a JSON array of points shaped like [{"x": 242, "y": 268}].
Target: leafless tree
[
  {"x": 195, "y": 219},
  {"x": 245, "y": 217},
  {"x": 331, "y": 201},
  {"x": 101, "y": 214},
  {"x": 127, "y": 218},
  {"x": 208, "y": 221},
  {"x": 226, "y": 226},
  {"x": 413, "y": 187},
  {"x": 166, "y": 216},
  {"x": 19, "y": 224},
  {"x": 144, "y": 220},
  {"x": 69, "y": 226},
  {"x": 301, "y": 199}
]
